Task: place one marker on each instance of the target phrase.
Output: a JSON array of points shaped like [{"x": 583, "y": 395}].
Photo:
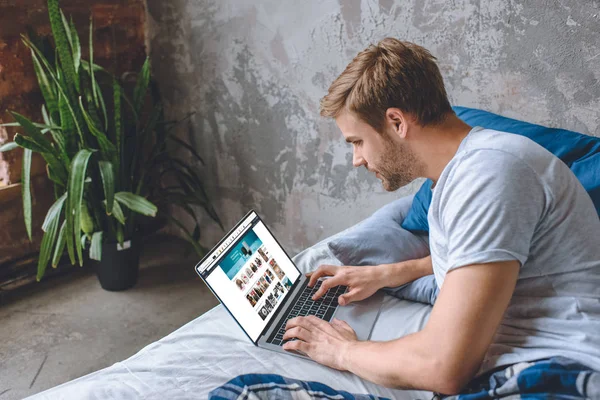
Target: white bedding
[{"x": 210, "y": 350}]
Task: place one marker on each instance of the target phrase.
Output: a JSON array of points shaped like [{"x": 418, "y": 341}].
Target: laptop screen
[{"x": 250, "y": 274}]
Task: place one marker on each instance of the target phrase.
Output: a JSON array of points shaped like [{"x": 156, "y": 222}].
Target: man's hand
[
  {"x": 324, "y": 342},
  {"x": 362, "y": 282}
]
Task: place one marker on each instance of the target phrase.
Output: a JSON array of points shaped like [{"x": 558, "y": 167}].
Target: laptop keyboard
[{"x": 322, "y": 308}]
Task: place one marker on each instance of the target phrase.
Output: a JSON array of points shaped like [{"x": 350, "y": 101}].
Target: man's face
[{"x": 381, "y": 153}]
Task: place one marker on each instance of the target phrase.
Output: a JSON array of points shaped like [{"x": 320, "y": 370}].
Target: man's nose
[{"x": 357, "y": 158}]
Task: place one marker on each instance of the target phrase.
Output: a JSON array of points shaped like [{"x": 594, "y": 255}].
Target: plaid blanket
[{"x": 554, "y": 378}]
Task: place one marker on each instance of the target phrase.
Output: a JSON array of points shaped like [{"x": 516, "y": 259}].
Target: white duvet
[{"x": 210, "y": 350}]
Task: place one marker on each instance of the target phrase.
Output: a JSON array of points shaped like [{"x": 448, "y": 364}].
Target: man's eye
[{"x": 357, "y": 142}]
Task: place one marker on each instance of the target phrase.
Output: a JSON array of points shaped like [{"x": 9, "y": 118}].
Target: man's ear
[{"x": 396, "y": 120}]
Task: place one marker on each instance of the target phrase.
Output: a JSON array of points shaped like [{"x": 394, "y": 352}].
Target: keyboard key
[{"x": 329, "y": 314}]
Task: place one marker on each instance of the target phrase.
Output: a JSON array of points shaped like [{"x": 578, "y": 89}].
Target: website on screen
[{"x": 251, "y": 274}]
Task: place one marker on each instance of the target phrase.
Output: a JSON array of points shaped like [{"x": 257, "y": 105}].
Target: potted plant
[{"x": 106, "y": 148}]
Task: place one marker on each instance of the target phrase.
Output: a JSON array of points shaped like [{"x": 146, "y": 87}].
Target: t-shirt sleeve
[{"x": 490, "y": 207}]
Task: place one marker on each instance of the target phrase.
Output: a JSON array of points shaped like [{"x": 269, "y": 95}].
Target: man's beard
[{"x": 398, "y": 166}]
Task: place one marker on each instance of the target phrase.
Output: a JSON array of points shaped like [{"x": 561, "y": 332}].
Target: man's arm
[
  {"x": 363, "y": 281},
  {"x": 444, "y": 356},
  {"x": 399, "y": 273}
]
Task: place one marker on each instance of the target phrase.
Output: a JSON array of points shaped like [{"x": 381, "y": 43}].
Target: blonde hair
[{"x": 392, "y": 73}]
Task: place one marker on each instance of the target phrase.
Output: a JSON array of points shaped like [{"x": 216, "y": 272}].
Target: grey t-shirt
[{"x": 503, "y": 197}]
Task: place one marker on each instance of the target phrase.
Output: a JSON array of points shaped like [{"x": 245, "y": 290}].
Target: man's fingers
[
  {"x": 338, "y": 323},
  {"x": 348, "y": 298},
  {"x": 323, "y": 270},
  {"x": 297, "y": 332},
  {"x": 298, "y": 321},
  {"x": 318, "y": 324},
  {"x": 297, "y": 345},
  {"x": 325, "y": 286}
]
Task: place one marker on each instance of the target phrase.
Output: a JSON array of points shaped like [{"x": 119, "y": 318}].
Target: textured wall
[{"x": 253, "y": 73}]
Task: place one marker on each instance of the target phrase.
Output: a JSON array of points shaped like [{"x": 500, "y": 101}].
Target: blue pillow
[{"x": 580, "y": 152}]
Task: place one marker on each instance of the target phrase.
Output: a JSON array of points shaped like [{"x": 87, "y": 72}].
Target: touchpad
[{"x": 362, "y": 315}]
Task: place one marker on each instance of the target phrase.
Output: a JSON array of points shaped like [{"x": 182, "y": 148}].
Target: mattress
[{"x": 211, "y": 349}]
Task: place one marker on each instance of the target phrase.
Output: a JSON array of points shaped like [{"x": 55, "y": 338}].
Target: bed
[{"x": 210, "y": 350}]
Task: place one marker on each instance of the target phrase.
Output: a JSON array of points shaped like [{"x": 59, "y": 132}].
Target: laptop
[{"x": 261, "y": 287}]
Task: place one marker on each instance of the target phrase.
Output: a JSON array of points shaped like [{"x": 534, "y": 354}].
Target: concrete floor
[{"x": 68, "y": 326}]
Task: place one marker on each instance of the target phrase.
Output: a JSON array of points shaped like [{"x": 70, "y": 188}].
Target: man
[{"x": 513, "y": 236}]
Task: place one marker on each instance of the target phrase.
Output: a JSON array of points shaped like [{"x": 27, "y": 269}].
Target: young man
[{"x": 513, "y": 236}]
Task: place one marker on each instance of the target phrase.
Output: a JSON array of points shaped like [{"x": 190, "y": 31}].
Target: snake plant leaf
[
  {"x": 60, "y": 245},
  {"x": 106, "y": 147},
  {"x": 196, "y": 233},
  {"x": 8, "y": 147},
  {"x": 74, "y": 197},
  {"x": 192, "y": 185},
  {"x": 54, "y": 210},
  {"x": 97, "y": 68},
  {"x": 117, "y": 212},
  {"x": 102, "y": 104},
  {"x": 90, "y": 104},
  {"x": 62, "y": 92},
  {"x": 108, "y": 181},
  {"x": 67, "y": 119},
  {"x": 117, "y": 92},
  {"x": 48, "y": 91},
  {"x": 45, "y": 115},
  {"x": 87, "y": 223},
  {"x": 62, "y": 46},
  {"x": 141, "y": 140},
  {"x": 26, "y": 190},
  {"x": 57, "y": 135},
  {"x": 93, "y": 97},
  {"x": 136, "y": 203},
  {"x": 201, "y": 251},
  {"x": 47, "y": 246},
  {"x": 186, "y": 207},
  {"x": 141, "y": 86},
  {"x": 26, "y": 143},
  {"x": 53, "y": 177},
  {"x": 67, "y": 28},
  {"x": 120, "y": 234},
  {"x": 43, "y": 127},
  {"x": 76, "y": 45},
  {"x": 34, "y": 133},
  {"x": 187, "y": 147},
  {"x": 91, "y": 72},
  {"x": 59, "y": 170},
  {"x": 96, "y": 246}
]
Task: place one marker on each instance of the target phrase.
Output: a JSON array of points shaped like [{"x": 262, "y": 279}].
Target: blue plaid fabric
[
  {"x": 271, "y": 386},
  {"x": 555, "y": 378}
]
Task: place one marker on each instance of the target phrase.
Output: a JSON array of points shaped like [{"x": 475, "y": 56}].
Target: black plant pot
[{"x": 119, "y": 267}]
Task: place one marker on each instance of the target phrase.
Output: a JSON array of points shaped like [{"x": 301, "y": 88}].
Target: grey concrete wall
[{"x": 254, "y": 71}]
